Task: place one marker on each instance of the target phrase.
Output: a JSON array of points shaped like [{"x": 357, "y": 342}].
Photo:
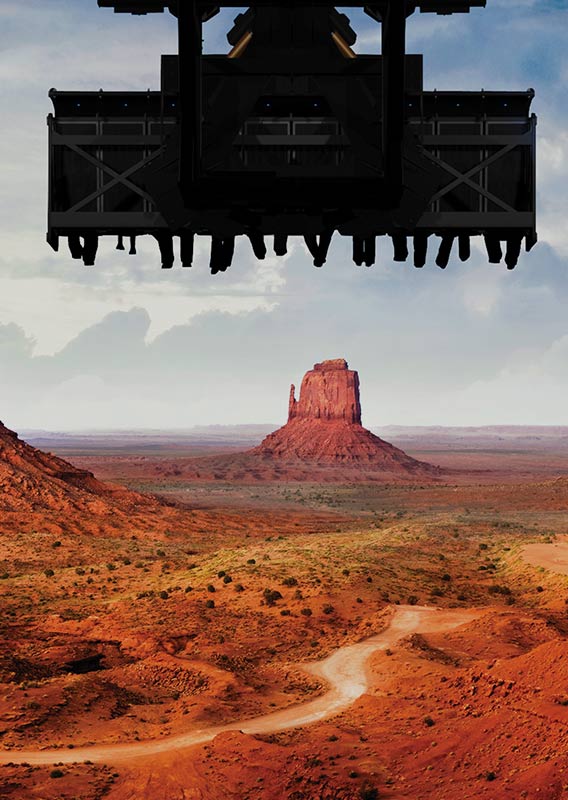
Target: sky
[{"x": 127, "y": 345}]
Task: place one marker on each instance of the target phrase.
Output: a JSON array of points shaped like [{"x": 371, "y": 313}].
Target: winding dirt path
[
  {"x": 346, "y": 672},
  {"x": 552, "y": 556}
]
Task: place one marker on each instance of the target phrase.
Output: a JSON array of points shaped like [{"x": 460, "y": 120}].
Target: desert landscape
[{"x": 317, "y": 612}]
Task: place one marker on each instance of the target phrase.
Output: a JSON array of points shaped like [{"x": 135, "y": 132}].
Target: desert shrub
[
  {"x": 328, "y": 609},
  {"x": 56, "y": 544},
  {"x": 369, "y": 793},
  {"x": 446, "y": 577},
  {"x": 490, "y": 776},
  {"x": 49, "y": 573},
  {"x": 79, "y": 571},
  {"x": 239, "y": 587},
  {"x": 188, "y": 589},
  {"x": 285, "y": 612},
  {"x": 437, "y": 592},
  {"x": 462, "y": 597},
  {"x": 412, "y": 600},
  {"x": 358, "y": 600},
  {"x": 498, "y": 589},
  {"x": 251, "y": 561},
  {"x": 210, "y": 587},
  {"x": 290, "y": 581},
  {"x": 164, "y": 595},
  {"x": 369, "y": 579},
  {"x": 111, "y": 566},
  {"x": 221, "y": 573},
  {"x": 210, "y": 604},
  {"x": 428, "y": 721},
  {"x": 139, "y": 564},
  {"x": 345, "y": 572},
  {"x": 483, "y": 546},
  {"x": 160, "y": 553},
  {"x": 306, "y": 612},
  {"x": 126, "y": 561},
  {"x": 271, "y": 596},
  {"x": 56, "y": 773},
  {"x": 539, "y": 589},
  {"x": 298, "y": 595},
  {"x": 4, "y": 576},
  {"x": 227, "y": 579}
]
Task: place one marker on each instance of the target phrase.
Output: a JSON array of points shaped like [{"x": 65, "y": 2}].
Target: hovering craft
[{"x": 293, "y": 133}]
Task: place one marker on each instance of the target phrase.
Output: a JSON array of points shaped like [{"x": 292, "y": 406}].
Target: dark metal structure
[{"x": 291, "y": 133}]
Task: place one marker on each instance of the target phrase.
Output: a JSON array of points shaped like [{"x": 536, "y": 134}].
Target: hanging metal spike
[
  {"x": 530, "y": 240},
  {"x": 445, "y": 251},
  {"x": 358, "y": 250},
  {"x": 323, "y": 248},
  {"x": 90, "y": 247},
  {"x": 132, "y": 251},
  {"x": 312, "y": 244},
  {"x": 166, "y": 245},
  {"x": 370, "y": 250},
  {"x": 120, "y": 242},
  {"x": 75, "y": 246},
  {"x": 513, "y": 251},
  {"x": 186, "y": 242},
  {"x": 464, "y": 246},
  {"x": 257, "y": 242},
  {"x": 493, "y": 245},
  {"x": 400, "y": 247},
  {"x": 280, "y": 244},
  {"x": 216, "y": 261},
  {"x": 420, "y": 249},
  {"x": 228, "y": 252}
]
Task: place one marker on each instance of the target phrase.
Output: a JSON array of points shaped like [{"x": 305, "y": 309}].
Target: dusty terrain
[{"x": 129, "y": 630}]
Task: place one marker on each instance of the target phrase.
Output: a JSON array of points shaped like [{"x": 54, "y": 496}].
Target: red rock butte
[{"x": 324, "y": 426}]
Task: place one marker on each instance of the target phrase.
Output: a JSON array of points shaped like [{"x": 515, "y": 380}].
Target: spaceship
[{"x": 291, "y": 133}]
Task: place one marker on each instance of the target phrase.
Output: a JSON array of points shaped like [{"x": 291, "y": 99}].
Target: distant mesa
[{"x": 324, "y": 426}]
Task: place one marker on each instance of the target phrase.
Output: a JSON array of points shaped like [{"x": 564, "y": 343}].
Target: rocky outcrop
[
  {"x": 324, "y": 426},
  {"x": 31, "y": 479}
]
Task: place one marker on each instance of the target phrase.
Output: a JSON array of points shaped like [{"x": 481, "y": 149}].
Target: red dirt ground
[{"x": 200, "y": 613}]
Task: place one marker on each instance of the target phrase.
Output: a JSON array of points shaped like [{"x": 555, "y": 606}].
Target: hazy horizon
[{"x": 125, "y": 345}]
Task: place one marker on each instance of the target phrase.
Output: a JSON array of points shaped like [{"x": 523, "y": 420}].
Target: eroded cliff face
[
  {"x": 32, "y": 479},
  {"x": 329, "y": 391},
  {"x": 324, "y": 426}
]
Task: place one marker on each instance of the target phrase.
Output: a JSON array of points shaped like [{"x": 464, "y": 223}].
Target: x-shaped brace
[
  {"x": 117, "y": 177},
  {"x": 465, "y": 177}
]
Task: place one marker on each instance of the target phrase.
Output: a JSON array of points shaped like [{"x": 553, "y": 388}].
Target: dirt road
[
  {"x": 552, "y": 556},
  {"x": 345, "y": 671}
]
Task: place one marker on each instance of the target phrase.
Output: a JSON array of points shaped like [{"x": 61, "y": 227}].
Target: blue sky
[{"x": 127, "y": 345}]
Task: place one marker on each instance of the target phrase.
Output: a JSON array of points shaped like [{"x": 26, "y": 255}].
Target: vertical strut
[
  {"x": 394, "y": 61},
  {"x": 190, "y": 29}
]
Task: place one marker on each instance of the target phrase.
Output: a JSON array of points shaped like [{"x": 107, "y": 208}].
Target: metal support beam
[
  {"x": 190, "y": 27},
  {"x": 393, "y": 50}
]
